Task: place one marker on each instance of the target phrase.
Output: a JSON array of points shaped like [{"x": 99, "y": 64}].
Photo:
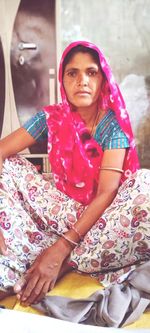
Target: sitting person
[{"x": 93, "y": 215}]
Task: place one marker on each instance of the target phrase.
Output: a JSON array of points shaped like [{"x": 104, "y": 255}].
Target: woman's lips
[{"x": 82, "y": 93}]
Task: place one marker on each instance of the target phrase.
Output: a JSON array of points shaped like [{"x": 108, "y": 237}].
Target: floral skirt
[{"x": 34, "y": 214}]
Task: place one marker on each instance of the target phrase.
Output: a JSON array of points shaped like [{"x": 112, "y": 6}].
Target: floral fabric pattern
[{"x": 33, "y": 214}]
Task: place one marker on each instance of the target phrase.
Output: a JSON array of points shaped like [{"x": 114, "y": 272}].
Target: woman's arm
[
  {"x": 15, "y": 142},
  {"x": 109, "y": 181}
]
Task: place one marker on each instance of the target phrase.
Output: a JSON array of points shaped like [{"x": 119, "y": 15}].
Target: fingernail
[
  {"x": 17, "y": 289},
  {"x": 24, "y": 299}
]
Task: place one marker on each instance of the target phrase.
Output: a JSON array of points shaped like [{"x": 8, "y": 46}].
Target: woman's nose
[{"x": 82, "y": 80}]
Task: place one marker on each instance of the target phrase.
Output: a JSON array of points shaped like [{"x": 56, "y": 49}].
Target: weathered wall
[{"x": 121, "y": 28}]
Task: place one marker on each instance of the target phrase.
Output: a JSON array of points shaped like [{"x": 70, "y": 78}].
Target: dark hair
[{"x": 83, "y": 49}]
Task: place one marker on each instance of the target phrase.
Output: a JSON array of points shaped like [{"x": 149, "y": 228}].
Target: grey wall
[{"x": 121, "y": 28}]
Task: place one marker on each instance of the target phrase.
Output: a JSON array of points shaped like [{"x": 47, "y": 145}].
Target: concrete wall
[{"x": 121, "y": 28}]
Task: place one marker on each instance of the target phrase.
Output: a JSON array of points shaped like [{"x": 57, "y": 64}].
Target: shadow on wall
[{"x": 136, "y": 92}]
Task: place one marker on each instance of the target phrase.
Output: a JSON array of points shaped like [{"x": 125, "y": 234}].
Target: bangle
[
  {"x": 69, "y": 240},
  {"x": 76, "y": 231},
  {"x": 113, "y": 169}
]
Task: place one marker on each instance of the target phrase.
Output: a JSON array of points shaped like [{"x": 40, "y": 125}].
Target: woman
[{"x": 93, "y": 215}]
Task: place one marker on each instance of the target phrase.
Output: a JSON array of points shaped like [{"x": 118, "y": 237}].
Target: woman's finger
[
  {"x": 52, "y": 284},
  {"x": 20, "y": 284},
  {"x": 36, "y": 291},
  {"x": 31, "y": 283},
  {"x": 44, "y": 291}
]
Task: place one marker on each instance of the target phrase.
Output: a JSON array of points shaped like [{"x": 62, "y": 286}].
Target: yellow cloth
[{"x": 76, "y": 286}]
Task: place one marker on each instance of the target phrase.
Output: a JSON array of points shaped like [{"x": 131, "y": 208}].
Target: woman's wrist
[
  {"x": 69, "y": 240},
  {"x": 65, "y": 246},
  {"x": 76, "y": 232}
]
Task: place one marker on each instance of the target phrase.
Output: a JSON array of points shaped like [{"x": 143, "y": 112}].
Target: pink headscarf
[{"x": 74, "y": 155}]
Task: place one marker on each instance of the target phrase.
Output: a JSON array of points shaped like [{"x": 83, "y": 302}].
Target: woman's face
[{"x": 82, "y": 80}]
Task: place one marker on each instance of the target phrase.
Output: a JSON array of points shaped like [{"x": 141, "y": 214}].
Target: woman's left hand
[{"x": 42, "y": 275}]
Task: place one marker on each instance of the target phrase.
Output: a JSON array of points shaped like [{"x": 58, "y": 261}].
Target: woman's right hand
[
  {"x": 43, "y": 273},
  {"x": 3, "y": 247}
]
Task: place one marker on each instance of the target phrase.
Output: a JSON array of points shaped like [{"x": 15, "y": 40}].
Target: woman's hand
[
  {"x": 42, "y": 275},
  {"x": 3, "y": 247}
]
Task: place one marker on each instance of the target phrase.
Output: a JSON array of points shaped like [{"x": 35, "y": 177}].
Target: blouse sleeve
[
  {"x": 37, "y": 127},
  {"x": 109, "y": 133}
]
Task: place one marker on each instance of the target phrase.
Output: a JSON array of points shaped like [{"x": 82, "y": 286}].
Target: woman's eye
[
  {"x": 71, "y": 73},
  {"x": 92, "y": 73}
]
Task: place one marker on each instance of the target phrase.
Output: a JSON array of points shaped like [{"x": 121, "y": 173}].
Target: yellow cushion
[{"x": 76, "y": 286}]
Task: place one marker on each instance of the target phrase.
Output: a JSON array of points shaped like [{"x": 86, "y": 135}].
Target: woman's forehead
[{"x": 82, "y": 58}]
